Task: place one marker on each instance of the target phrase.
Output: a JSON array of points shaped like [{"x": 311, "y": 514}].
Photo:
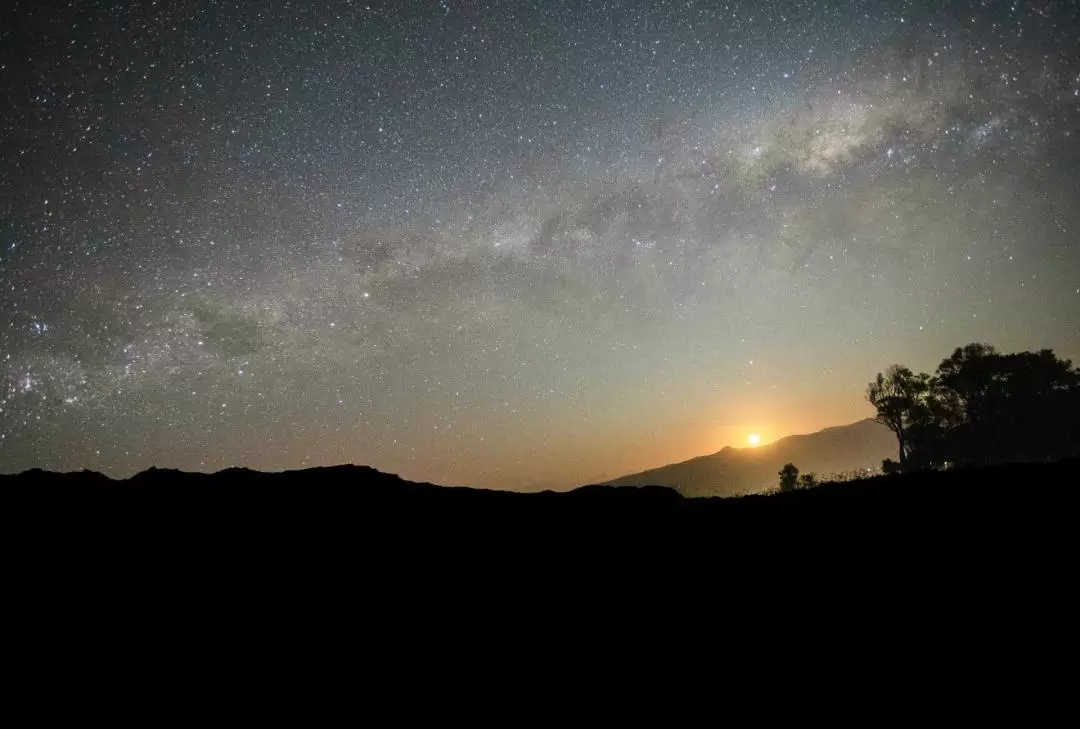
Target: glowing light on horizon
[{"x": 753, "y": 439}]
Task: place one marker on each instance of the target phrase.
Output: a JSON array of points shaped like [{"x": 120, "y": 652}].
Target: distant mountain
[{"x": 732, "y": 470}]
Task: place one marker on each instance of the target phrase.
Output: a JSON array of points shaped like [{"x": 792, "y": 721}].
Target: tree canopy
[
  {"x": 899, "y": 398},
  {"x": 981, "y": 407}
]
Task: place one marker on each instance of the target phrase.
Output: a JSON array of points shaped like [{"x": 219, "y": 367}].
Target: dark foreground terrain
[{"x": 159, "y": 595}]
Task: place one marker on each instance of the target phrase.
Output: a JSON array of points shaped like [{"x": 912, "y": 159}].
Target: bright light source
[{"x": 753, "y": 439}]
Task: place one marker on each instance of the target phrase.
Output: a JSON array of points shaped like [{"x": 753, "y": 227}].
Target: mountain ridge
[{"x": 731, "y": 470}]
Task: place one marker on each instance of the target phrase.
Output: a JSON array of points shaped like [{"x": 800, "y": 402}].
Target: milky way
[{"x": 514, "y": 244}]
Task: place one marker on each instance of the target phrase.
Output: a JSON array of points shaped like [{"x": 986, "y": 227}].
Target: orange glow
[{"x": 753, "y": 439}]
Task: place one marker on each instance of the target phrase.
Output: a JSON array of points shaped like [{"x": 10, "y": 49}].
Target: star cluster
[{"x": 514, "y": 244}]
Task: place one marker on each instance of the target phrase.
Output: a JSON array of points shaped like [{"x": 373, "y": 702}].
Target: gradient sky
[{"x": 514, "y": 244}]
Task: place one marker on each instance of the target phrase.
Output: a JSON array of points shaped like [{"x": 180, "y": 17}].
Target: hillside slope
[
  {"x": 857, "y": 446},
  {"x": 157, "y": 590}
]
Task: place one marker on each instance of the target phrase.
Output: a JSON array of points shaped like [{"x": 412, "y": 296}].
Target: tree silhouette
[
  {"x": 808, "y": 481},
  {"x": 1008, "y": 407},
  {"x": 981, "y": 407},
  {"x": 789, "y": 477},
  {"x": 899, "y": 396}
]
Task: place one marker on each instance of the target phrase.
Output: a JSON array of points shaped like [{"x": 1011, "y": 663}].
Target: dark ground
[{"x": 145, "y": 602}]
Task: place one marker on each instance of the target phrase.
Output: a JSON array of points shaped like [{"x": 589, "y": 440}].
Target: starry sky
[{"x": 514, "y": 244}]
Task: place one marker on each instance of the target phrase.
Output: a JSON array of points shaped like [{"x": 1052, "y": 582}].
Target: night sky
[{"x": 514, "y": 244}]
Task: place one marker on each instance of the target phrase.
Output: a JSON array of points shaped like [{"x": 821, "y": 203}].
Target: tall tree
[
  {"x": 899, "y": 397},
  {"x": 973, "y": 374},
  {"x": 1009, "y": 407},
  {"x": 982, "y": 407}
]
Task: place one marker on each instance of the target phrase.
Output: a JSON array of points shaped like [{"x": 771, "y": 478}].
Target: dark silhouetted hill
[
  {"x": 158, "y": 592},
  {"x": 732, "y": 471}
]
